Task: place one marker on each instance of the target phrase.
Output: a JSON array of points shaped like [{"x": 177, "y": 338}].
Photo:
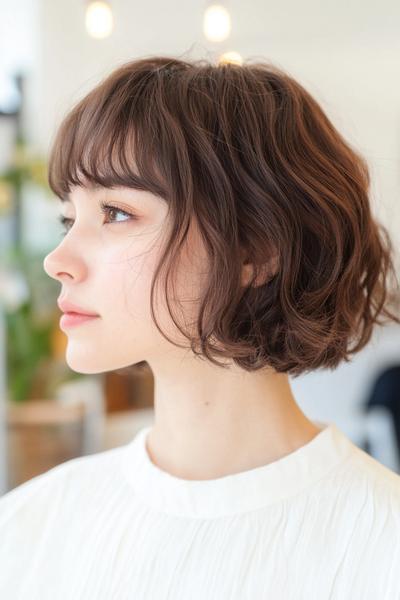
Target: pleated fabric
[{"x": 321, "y": 523}]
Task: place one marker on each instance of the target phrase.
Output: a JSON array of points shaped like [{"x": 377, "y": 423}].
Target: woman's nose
[
  {"x": 60, "y": 265},
  {"x": 53, "y": 266}
]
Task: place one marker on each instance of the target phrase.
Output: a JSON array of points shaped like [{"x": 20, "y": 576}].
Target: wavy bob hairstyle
[{"x": 250, "y": 155}]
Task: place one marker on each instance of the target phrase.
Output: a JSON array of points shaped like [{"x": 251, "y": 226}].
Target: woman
[{"x": 227, "y": 188}]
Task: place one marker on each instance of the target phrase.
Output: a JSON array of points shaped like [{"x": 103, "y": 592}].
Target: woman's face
[{"x": 105, "y": 263}]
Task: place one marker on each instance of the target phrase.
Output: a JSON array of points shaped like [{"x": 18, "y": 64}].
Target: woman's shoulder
[
  {"x": 365, "y": 498},
  {"x": 40, "y": 494},
  {"x": 382, "y": 481},
  {"x": 41, "y": 510},
  {"x": 362, "y": 523}
]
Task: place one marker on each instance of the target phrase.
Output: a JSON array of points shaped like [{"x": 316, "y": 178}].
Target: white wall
[{"x": 18, "y": 38}]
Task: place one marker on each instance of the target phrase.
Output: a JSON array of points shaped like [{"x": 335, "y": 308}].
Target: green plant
[
  {"x": 25, "y": 165},
  {"x": 29, "y": 295},
  {"x": 27, "y": 336},
  {"x": 29, "y": 329}
]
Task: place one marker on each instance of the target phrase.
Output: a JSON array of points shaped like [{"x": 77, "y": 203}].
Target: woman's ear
[{"x": 266, "y": 272}]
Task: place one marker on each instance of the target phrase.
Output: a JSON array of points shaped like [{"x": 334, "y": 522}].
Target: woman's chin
[{"x": 86, "y": 364}]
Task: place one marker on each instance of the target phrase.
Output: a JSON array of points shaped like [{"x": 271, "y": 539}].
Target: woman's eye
[
  {"x": 66, "y": 223},
  {"x": 106, "y": 209}
]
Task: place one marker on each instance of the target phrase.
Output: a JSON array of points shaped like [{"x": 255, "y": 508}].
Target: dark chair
[{"x": 385, "y": 392}]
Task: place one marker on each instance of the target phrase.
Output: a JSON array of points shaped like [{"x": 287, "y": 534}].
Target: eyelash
[{"x": 105, "y": 208}]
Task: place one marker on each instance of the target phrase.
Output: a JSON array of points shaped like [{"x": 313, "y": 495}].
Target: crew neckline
[{"x": 238, "y": 492}]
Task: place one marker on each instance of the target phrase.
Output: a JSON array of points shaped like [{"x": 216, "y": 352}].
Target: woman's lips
[
  {"x": 68, "y": 307},
  {"x": 71, "y": 319}
]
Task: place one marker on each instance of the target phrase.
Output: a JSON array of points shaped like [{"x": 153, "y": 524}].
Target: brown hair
[{"x": 248, "y": 153}]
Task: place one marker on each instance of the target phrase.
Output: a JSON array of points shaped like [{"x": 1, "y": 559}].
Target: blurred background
[{"x": 52, "y": 52}]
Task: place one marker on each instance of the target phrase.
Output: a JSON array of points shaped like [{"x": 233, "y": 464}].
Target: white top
[{"x": 323, "y": 522}]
